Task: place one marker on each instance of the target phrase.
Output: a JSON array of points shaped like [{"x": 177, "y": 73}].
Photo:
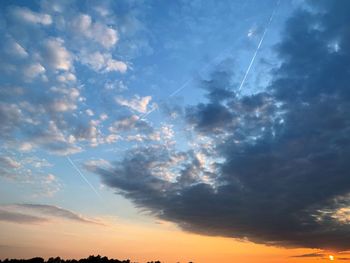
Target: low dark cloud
[
  {"x": 20, "y": 218},
  {"x": 51, "y": 210},
  {"x": 310, "y": 255},
  {"x": 40, "y": 213},
  {"x": 280, "y": 157}
]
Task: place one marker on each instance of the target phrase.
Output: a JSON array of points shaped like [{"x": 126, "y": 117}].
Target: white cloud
[
  {"x": 56, "y": 55},
  {"x": 93, "y": 164},
  {"x": 102, "y": 62},
  {"x": 94, "y": 60},
  {"x": 89, "y": 112},
  {"x": 25, "y": 147},
  {"x": 100, "y": 33},
  {"x": 124, "y": 124},
  {"x": 115, "y": 65},
  {"x": 90, "y": 132},
  {"x": 28, "y": 16},
  {"x": 112, "y": 138},
  {"x": 139, "y": 104},
  {"x": 54, "y": 140},
  {"x": 8, "y": 162},
  {"x": 116, "y": 85},
  {"x": 33, "y": 70},
  {"x": 67, "y": 101},
  {"x": 62, "y": 105},
  {"x": 103, "y": 117},
  {"x": 10, "y": 118},
  {"x": 66, "y": 77}
]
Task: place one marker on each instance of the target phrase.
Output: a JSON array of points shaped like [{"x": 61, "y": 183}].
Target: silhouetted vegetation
[{"x": 90, "y": 259}]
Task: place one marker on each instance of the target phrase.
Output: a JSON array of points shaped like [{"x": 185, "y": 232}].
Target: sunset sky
[{"x": 206, "y": 130}]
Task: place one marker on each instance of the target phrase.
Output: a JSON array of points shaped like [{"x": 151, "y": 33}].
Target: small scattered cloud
[
  {"x": 26, "y": 15},
  {"x": 102, "y": 62},
  {"x": 8, "y": 162},
  {"x": 56, "y": 55},
  {"x": 102, "y": 34}
]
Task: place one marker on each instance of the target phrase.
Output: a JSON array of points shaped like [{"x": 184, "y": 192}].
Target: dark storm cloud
[{"x": 284, "y": 179}]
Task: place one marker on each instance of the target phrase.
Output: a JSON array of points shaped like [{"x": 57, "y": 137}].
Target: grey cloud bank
[{"x": 283, "y": 175}]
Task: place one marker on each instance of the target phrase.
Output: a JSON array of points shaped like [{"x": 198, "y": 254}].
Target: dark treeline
[{"x": 90, "y": 259}]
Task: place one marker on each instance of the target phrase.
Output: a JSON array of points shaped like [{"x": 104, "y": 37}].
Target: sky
[{"x": 205, "y": 131}]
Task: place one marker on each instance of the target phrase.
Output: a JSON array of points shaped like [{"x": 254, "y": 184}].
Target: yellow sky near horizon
[{"x": 124, "y": 239}]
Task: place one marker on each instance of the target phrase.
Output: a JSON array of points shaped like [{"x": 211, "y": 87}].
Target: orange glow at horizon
[{"x": 140, "y": 243}]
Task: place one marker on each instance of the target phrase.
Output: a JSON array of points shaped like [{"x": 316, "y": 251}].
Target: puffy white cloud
[
  {"x": 54, "y": 140},
  {"x": 139, "y": 104},
  {"x": 112, "y": 138},
  {"x": 62, "y": 105},
  {"x": 89, "y": 112},
  {"x": 33, "y": 70},
  {"x": 67, "y": 100},
  {"x": 91, "y": 165},
  {"x": 94, "y": 60},
  {"x": 26, "y": 15},
  {"x": 100, "y": 33},
  {"x": 25, "y": 147},
  {"x": 103, "y": 117},
  {"x": 66, "y": 77},
  {"x": 124, "y": 124},
  {"x": 10, "y": 118},
  {"x": 56, "y": 55},
  {"x": 102, "y": 62},
  {"x": 115, "y": 65}
]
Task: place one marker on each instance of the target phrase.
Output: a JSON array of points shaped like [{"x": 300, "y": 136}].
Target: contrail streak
[
  {"x": 259, "y": 45},
  {"x": 188, "y": 81},
  {"x": 181, "y": 88},
  {"x": 82, "y": 176},
  {"x": 184, "y": 85}
]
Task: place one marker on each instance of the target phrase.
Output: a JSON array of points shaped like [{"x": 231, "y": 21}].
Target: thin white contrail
[
  {"x": 181, "y": 88},
  {"x": 184, "y": 85},
  {"x": 82, "y": 176},
  {"x": 188, "y": 81},
  {"x": 258, "y": 47}
]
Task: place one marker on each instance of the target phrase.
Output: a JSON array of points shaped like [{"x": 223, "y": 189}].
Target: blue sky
[
  {"x": 85, "y": 66},
  {"x": 116, "y": 107}
]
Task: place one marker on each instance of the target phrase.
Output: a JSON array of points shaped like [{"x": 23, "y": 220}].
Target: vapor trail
[
  {"x": 184, "y": 85},
  {"x": 82, "y": 176},
  {"x": 191, "y": 79},
  {"x": 258, "y": 47},
  {"x": 188, "y": 81}
]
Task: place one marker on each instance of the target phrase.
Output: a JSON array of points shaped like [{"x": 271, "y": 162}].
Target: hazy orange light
[{"x": 331, "y": 257}]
